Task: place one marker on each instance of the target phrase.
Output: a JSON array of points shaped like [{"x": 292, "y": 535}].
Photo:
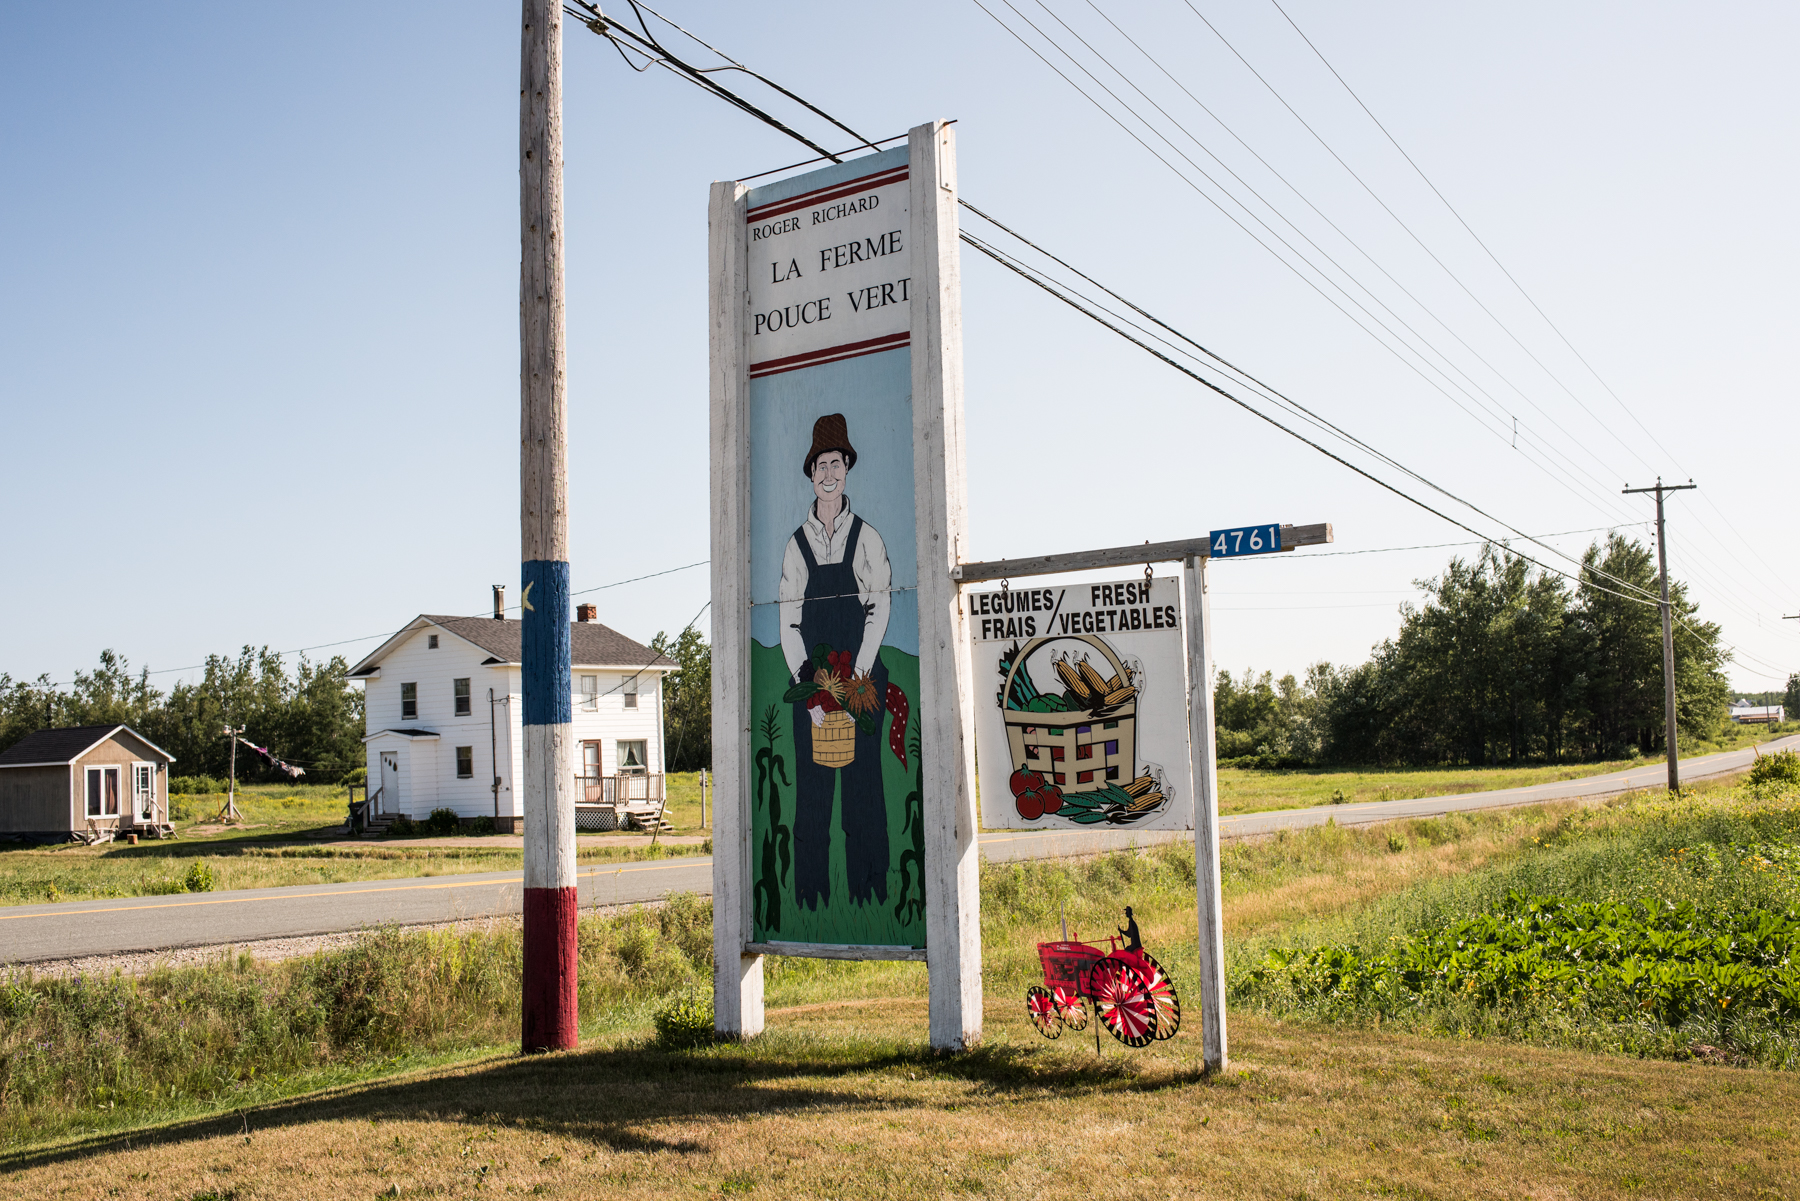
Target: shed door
[
  {"x": 143, "y": 793},
  {"x": 390, "y": 781}
]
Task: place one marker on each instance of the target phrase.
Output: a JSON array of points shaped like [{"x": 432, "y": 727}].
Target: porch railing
[{"x": 619, "y": 790}]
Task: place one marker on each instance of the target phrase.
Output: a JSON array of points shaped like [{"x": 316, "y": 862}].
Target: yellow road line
[{"x": 345, "y": 892}]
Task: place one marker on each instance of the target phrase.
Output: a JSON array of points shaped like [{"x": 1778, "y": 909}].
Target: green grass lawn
[
  {"x": 386, "y": 1069},
  {"x": 279, "y": 843},
  {"x": 1250, "y": 790}
]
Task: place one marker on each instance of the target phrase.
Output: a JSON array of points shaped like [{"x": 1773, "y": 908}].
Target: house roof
[
  {"x": 53, "y": 747},
  {"x": 590, "y": 643}
]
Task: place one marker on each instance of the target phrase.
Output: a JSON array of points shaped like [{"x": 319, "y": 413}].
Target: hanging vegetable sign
[{"x": 1091, "y": 702}]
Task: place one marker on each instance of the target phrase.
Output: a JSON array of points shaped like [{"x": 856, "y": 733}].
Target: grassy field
[
  {"x": 1248, "y": 790},
  {"x": 407, "y": 1036},
  {"x": 280, "y": 842}
]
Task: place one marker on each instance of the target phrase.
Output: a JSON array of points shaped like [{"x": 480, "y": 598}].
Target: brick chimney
[{"x": 586, "y": 613}]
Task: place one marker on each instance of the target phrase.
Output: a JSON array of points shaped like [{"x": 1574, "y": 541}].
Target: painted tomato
[
  {"x": 1050, "y": 798},
  {"x": 1021, "y": 782},
  {"x": 1030, "y": 807}
]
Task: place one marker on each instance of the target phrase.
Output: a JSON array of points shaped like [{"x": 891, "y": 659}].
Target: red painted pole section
[{"x": 549, "y": 980}]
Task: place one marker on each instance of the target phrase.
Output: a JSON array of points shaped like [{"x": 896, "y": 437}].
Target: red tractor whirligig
[{"x": 1130, "y": 991}]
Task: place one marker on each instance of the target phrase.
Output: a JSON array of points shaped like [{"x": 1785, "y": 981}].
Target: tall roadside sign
[
  {"x": 845, "y": 816},
  {"x": 1102, "y": 711},
  {"x": 549, "y": 1002}
]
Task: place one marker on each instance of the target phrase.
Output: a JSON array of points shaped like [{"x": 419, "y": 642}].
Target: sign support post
[
  {"x": 737, "y": 976},
  {"x": 548, "y": 1012},
  {"x": 1201, "y": 737},
  {"x": 946, "y": 689}
]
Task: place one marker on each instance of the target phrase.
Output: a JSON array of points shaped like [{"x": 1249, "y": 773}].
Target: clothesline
[{"x": 293, "y": 773}]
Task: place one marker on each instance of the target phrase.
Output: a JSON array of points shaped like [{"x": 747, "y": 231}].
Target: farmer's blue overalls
[{"x": 833, "y": 614}]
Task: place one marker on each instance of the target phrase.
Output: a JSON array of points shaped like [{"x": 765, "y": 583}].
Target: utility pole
[
  {"x": 549, "y": 1009},
  {"x": 231, "y": 813},
  {"x": 1662, "y": 563}
]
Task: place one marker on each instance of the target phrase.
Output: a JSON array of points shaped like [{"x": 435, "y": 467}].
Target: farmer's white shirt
[{"x": 870, "y": 568}]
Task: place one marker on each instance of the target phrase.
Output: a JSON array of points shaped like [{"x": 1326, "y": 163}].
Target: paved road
[{"x": 36, "y": 933}]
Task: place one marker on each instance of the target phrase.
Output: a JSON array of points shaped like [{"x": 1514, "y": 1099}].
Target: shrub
[
  {"x": 194, "y": 785},
  {"x": 402, "y": 825},
  {"x": 481, "y": 825},
  {"x": 442, "y": 821},
  {"x": 1782, "y": 770},
  {"x": 686, "y": 1021},
  {"x": 199, "y": 877},
  {"x": 180, "y": 810},
  {"x": 358, "y": 777}
]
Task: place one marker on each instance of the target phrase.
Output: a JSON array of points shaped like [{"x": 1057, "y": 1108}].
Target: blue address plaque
[{"x": 1244, "y": 540}]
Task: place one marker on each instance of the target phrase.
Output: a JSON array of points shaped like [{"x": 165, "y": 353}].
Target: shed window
[
  {"x": 409, "y": 701},
  {"x": 631, "y": 692},
  {"x": 631, "y": 757},
  {"x": 103, "y": 792},
  {"x": 590, "y": 693},
  {"x": 465, "y": 762},
  {"x": 462, "y": 696}
]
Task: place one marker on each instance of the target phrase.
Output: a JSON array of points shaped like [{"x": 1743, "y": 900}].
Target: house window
[
  {"x": 590, "y": 693},
  {"x": 103, "y": 792},
  {"x": 409, "y": 701},
  {"x": 631, "y": 692},
  {"x": 631, "y": 758},
  {"x": 462, "y": 696},
  {"x": 431, "y": 642},
  {"x": 465, "y": 763}
]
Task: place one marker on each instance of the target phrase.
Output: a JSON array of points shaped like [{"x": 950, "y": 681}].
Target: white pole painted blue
[{"x": 549, "y": 981}]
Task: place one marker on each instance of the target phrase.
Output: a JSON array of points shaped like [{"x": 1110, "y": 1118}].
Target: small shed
[{"x": 89, "y": 782}]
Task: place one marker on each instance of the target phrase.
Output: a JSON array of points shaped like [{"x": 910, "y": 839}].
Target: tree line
[
  {"x": 311, "y": 717},
  {"x": 1499, "y": 662}
]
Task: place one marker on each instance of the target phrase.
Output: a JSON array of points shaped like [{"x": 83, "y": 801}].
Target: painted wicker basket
[
  {"x": 1078, "y": 750},
  {"x": 834, "y": 740}
]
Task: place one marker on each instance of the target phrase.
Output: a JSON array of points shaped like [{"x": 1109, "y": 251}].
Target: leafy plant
[
  {"x": 1782, "y": 769},
  {"x": 776, "y": 854},
  {"x": 686, "y": 1020},
  {"x": 442, "y": 821},
  {"x": 199, "y": 877}
]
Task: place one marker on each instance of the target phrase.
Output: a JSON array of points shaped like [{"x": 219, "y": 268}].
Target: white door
[
  {"x": 390, "y": 782},
  {"x": 143, "y": 794}
]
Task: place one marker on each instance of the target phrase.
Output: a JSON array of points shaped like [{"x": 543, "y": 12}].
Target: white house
[{"x": 443, "y": 712}]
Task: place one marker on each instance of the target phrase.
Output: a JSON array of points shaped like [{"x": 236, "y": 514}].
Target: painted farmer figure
[{"x": 834, "y": 590}]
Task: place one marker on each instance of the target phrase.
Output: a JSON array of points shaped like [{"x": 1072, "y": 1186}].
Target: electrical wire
[
  {"x": 607, "y": 28},
  {"x": 1500, "y": 432}
]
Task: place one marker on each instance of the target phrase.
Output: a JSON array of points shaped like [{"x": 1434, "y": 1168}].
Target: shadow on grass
[{"x": 608, "y": 1096}]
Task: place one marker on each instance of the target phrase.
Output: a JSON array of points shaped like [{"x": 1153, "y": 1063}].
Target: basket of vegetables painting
[
  {"x": 1074, "y": 751},
  {"x": 840, "y": 700}
]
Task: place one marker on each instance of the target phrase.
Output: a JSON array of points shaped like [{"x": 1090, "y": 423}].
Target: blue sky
[{"x": 258, "y": 302}]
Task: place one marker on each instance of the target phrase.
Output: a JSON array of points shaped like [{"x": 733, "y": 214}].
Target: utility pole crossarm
[{"x": 1668, "y": 628}]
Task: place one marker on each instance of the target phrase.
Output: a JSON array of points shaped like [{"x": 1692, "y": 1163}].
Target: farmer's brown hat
[{"x": 830, "y": 433}]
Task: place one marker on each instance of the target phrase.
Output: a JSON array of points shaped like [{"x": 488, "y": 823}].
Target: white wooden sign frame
[{"x": 944, "y": 711}]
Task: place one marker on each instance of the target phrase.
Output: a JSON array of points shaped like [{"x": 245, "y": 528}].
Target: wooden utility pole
[
  {"x": 1668, "y": 629},
  {"x": 549, "y": 1010}
]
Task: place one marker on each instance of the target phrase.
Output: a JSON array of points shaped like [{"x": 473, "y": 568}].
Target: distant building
[
  {"x": 444, "y": 717},
  {"x": 1744, "y": 713},
  {"x": 94, "y": 782}
]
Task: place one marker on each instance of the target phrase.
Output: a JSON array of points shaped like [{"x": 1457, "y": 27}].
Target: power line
[
  {"x": 1604, "y": 502},
  {"x": 606, "y": 28},
  {"x": 390, "y": 633}
]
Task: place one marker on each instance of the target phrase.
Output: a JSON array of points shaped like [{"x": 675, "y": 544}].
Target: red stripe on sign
[
  {"x": 830, "y": 354},
  {"x": 549, "y": 976},
  {"x": 836, "y": 191}
]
